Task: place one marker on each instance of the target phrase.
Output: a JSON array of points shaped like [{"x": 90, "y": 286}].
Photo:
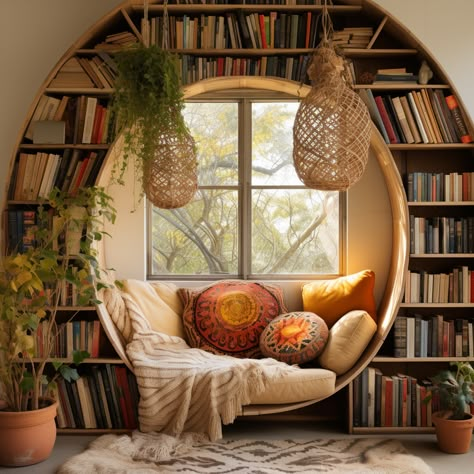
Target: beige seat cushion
[
  {"x": 348, "y": 339},
  {"x": 297, "y": 386},
  {"x": 159, "y": 303}
]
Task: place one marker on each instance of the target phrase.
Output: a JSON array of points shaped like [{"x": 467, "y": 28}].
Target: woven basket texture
[
  {"x": 170, "y": 179},
  {"x": 331, "y": 132}
]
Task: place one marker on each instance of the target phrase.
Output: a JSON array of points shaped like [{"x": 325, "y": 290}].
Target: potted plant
[
  {"x": 148, "y": 104},
  {"x": 31, "y": 281},
  {"x": 454, "y": 423}
]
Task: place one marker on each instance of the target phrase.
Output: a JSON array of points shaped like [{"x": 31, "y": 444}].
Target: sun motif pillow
[
  {"x": 294, "y": 338},
  {"x": 228, "y": 317}
]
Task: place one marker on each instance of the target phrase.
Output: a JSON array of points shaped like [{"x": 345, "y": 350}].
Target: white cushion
[
  {"x": 160, "y": 304},
  {"x": 347, "y": 340}
]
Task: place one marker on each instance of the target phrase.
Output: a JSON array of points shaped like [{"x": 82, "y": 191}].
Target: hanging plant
[{"x": 148, "y": 105}]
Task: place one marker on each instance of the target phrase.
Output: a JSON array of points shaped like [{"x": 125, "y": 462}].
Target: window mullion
[{"x": 245, "y": 176}]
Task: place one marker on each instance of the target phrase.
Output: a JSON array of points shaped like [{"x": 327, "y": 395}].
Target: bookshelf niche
[{"x": 69, "y": 131}]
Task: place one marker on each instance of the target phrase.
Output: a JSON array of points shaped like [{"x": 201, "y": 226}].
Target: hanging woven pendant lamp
[
  {"x": 170, "y": 178},
  {"x": 331, "y": 133}
]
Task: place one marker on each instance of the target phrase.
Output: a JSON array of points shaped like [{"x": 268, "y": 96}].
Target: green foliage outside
[{"x": 293, "y": 230}]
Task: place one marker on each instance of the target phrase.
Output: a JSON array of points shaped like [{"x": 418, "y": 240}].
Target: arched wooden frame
[{"x": 394, "y": 286}]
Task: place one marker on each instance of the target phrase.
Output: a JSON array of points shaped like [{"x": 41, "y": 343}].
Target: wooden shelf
[
  {"x": 81, "y": 91},
  {"x": 393, "y": 430},
  {"x": 400, "y": 86},
  {"x": 222, "y": 8},
  {"x": 431, "y": 146},
  {"x": 437, "y": 305},
  {"x": 392, "y": 360},
  {"x": 440, "y": 204},
  {"x": 62, "y": 146},
  {"x": 442, "y": 255},
  {"x": 95, "y": 360},
  {"x": 91, "y": 431}
]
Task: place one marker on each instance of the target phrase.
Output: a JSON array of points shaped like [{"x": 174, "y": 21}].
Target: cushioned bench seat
[{"x": 306, "y": 384}]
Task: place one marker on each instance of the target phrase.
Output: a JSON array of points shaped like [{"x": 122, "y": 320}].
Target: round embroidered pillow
[
  {"x": 227, "y": 317},
  {"x": 294, "y": 338}
]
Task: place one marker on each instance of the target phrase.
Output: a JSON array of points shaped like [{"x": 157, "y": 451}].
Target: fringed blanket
[{"x": 189, "y": 390}]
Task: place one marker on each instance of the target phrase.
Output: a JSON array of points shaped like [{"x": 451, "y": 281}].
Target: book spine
[{"x": 461, "y": 128}]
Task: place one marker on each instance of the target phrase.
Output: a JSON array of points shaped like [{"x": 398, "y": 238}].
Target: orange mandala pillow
[
  {"x": 331, "y": 299},
  {"x": 294, "y": 338},
  {"x": 228, "y": 317}
]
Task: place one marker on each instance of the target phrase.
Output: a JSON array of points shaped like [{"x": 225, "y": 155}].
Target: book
[
  {"x": 400, "y": 336},
  {"x": 416, "y": 114},
  {"x": 386, "y": 120},
  {"x": 85, "y": 400},
  {"x": 399, "y": 110},
  {"x": 73, "y": 395},
  {"x": 96, "y": 402},
  {"x": 431, "y": 115},
  {"x": 356, "y": 402},
  {"x": 90, "y": 111},
  {"x": 368, "y": 98},
  {"x": 410, "y": 119},
  {"x": 458, "y": 119},
  {"x": 117, "y": 419},
  {"x": 125, "y": 397},
  {"x": 99, "y": 381},
  {"x": 424, "y": 117}
]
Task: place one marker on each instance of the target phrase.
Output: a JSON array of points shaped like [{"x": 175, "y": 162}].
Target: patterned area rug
[{"x": 191, "y": 453}]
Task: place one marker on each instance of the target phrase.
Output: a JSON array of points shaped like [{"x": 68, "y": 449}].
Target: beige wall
[{"x": 35, "y": 34}]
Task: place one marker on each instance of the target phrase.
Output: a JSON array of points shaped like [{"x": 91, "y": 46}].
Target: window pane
[
  {"x": 214, "y": 128},
  {"x": 272, "y": 143},
  {"x": 200, "y": 238},
  {"x": 286, "y": 238}
]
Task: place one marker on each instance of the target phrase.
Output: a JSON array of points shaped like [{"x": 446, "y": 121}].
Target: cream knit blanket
[{"x": 189, "y": 390}]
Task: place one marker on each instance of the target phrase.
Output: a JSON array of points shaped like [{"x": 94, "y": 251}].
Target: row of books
[
  {"x": 70, "y": 336},
  {"x": 353, "y": 37},
  {"x": 454, "y": 287},
  {"x": 432, "y": 336},
  {"x": 391, "y": 400},
  {"x": 436, "y": 187},
  {"x": 36, "y": 174},
  {"x": 90, "y": 121},
  {"x": 394, "y": 75},
  {"x": 97, "y": 71},
  {"x": 105, "y": 397},
  {"x": 85, "y": 119},
  {"x": 19, "y": 228},
  {"x": 194, "y": 68},
  {"x": 419, "y": 116},
  {"x": 235, "y": 30},
  {"x": 441, "y": 235}
]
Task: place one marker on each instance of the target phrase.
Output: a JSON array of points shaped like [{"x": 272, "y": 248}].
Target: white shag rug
[{"x": 148, "y": 453}]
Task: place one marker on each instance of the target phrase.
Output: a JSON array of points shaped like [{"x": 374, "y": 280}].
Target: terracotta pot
[
  {"x": 27, "y": 437},
  {"x": 454, "y": 436}
]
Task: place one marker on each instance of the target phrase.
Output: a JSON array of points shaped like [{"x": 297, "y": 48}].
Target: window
[{"x": 251, "y": 216}]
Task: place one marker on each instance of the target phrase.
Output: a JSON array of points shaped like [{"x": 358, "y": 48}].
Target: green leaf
[{"x": 79, "y": 356}]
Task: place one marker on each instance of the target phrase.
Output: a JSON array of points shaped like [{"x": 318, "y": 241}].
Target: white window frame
[{"x": 245, "y": 98}]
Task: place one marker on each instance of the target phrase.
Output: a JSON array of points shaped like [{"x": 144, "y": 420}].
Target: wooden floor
[{"x": 420, "y": 445}]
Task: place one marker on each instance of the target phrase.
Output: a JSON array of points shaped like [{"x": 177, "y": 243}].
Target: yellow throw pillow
[{"x": 331, "y": 299}]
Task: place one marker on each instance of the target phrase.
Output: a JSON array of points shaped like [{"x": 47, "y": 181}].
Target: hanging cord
[
  {"x": 164, "y": 43},
  {"x": 326, "y": 24}
]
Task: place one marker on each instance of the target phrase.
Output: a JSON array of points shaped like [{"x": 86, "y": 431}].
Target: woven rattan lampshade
[
  {"x": 331, "y": 133},
  {"x": 170, "y": 179}
]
